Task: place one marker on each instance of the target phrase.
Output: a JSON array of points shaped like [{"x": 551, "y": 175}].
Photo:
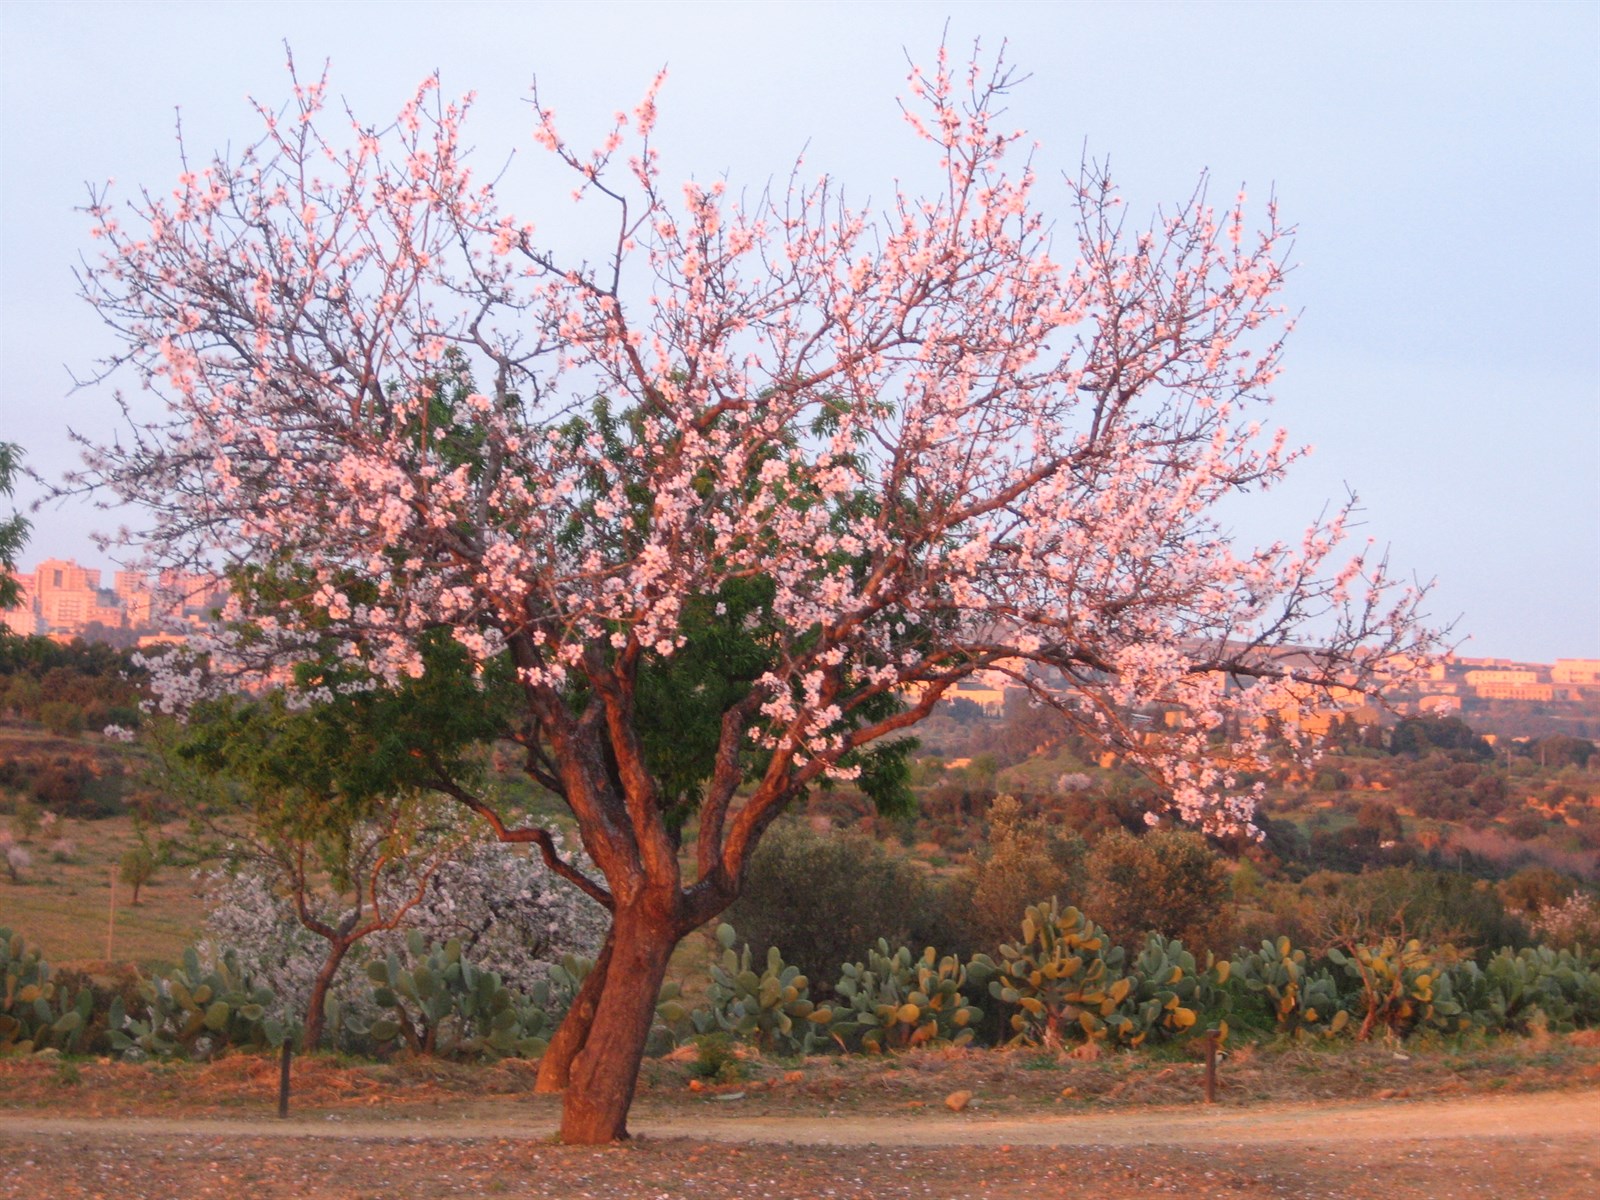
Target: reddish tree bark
[
  {"x": 555, "y": 1066},
  {"x": 606, "y": 1071}
]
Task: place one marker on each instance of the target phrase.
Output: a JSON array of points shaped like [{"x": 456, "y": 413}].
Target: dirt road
[
  {"x": 1544, "y": 1145},
  {"x": 1566, "y": 1115}
]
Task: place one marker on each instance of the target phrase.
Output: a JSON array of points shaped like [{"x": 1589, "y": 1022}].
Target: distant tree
[
  {"x": 1562, "y": 750},
  {"x": 137, "y": 868},
  {"x": 1382, "y": 819},
  {"x": 1419, "y": 735},
  {"x": 321, "y": 801}
]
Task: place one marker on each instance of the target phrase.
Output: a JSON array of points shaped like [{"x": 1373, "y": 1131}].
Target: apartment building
[{"x": 61, "y": 599}]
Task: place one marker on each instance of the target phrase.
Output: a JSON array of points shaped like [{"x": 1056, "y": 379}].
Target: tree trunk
[
  {"x": 316, "y": 1006},
  {"x": 555, "y": 1067},
  {"x": 605, "y": 1071}
]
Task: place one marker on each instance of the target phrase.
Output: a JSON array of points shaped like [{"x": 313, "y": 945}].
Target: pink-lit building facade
[{"x": 62, "y": 600}]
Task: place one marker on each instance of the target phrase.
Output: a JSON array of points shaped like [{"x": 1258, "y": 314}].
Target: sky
[{"x": 1440, "y": 162}]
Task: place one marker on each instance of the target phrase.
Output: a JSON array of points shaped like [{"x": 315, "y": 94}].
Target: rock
[{"x": 956, "y": 1101}]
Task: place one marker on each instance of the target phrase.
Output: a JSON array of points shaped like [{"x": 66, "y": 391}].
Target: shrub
[
  {"x": 14, "y": 858},
  {"x": 25, "y": 818},
  {"x": 1169, "y": 882},
  {"x": 1441, "y": 908},
  {"x": 61, "y": 717},
  {"x": 1573, "y": 922},
  {"x": 1532, "y": 890},
  {"x": 1027, "y": 861},
  {"x": 823, "y": 900}
]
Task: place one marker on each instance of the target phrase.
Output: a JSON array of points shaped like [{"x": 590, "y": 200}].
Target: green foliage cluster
[{"x": 69, "y": 688}]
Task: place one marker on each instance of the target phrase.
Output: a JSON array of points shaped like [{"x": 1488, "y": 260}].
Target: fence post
[
  {"x": 283, "y": 1076},
  {"x": 1211, "y": 1066}
]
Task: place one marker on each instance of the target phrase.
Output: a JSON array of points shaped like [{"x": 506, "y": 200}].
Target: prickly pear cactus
[
  {"x": 1559, "y": 989},
  {"x": 1395, "y": 983},
  {"x": 553, "y": 995},
  {"x": 1303, "y": 1002},
  {"x": 894, "y": 1001},
  {"x": 1171, "y": 993},
  {"x": 196, "y": 1011},
  {"x": 1064, "y": 978},
  {"x": 772, "y": 1007},
  {"x": 444, "y": 1005},
  {"x": 35, "y": 1013}
]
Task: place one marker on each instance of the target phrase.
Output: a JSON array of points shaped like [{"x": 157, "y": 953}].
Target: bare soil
[{"x": 1498, "y": 1119}]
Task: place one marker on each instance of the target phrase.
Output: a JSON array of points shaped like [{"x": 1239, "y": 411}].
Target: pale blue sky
[{"x": 1442, "y": 162}]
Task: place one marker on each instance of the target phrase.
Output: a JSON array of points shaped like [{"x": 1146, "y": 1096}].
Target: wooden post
[
  {"x": 1211, "y": 1066},
  {"x": 283, "y": 1076},
  {"x": 111, "y": 915}
]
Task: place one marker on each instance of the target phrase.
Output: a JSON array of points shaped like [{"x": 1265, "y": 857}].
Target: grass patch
[{"x": 62, "y": 904}]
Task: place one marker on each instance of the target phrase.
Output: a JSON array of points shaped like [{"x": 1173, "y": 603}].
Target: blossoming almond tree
[{"x": 839, "y": 460}]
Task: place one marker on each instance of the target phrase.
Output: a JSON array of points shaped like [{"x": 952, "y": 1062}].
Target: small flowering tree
[
  {"x": 510, "y": 913},
  {"x": 310, "y": 826},
  {"x": 737, "y": 496}
]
